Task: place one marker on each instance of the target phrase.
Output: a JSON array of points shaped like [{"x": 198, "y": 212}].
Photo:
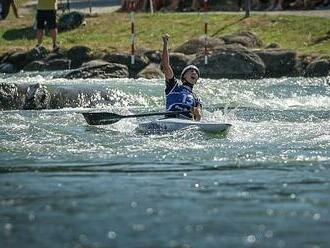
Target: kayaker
[{"x": 180, "y": 96}]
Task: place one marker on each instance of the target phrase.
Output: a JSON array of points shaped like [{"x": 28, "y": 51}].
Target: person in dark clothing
[
  {"x": 5, "y": 7},
  {"x": 180, "y": 96},
  {"x": 46, "y": 17}
]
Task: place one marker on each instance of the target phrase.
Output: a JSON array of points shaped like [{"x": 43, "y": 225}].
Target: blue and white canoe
[{"x": 173, "y": 124}]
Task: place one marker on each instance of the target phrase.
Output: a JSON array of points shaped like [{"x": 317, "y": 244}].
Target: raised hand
[{"x": 165, "y": 38}]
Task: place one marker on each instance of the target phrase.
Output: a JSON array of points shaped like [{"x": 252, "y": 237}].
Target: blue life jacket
[{"x": 180, "y": 98}]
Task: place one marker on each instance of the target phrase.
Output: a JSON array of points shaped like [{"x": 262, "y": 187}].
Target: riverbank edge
[{"x": 240, "y": 55}]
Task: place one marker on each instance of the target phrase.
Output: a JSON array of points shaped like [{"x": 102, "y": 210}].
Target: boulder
[
  {"x": 71, "y": 21},
  {"x": 303, "y": 61},
  {"x": 118, "y": 58},
  {"x": 279, "y": 62},
  {"x": 323, "y": 38},
  {"x": 9, "y": 97},
  {"x": 3, "y": 56},
  {"x": 178, "y": 62},
  {"x": 231, "y": 62},
  {"x": 125, "y": 59},
  {"x": 94, "y": 63},
  {"x": 76, "y": 97},
  {"x": 139, "y": 64},
  {"x": 84, "y": 97},
  {"x": 272, "y": 45},
  {"x": 246, "y": 39},
  {"x": 37, "y": 53},
  {"x": 37, "y": 97},
  {"x": 17, "y": 58},
  {"x": 66, "y": 98},
  {"x": 58, "y": 55},
  {"x": 151, "y": 71},
  {"x": 78, "y": 55},
  {"x": 35, "y": 66},
  {"x": 7, "y": 68},
  {"x": 110, "y": 70},
  {"x": 153, "y": 56},
  {"x": 318, "y": 68},
  {"x": 197, "y": 45},
  {"x": 58, "y": 64}
]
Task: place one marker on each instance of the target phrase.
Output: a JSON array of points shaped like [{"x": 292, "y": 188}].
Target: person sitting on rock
[{"x": 180, "y": 97}]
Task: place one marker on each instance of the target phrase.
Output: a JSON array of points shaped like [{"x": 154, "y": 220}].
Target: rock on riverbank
[
  {"x": 241, "y": 55},
  {"x": 237, "y": 56},
  {"x": 39, "y": 96}
]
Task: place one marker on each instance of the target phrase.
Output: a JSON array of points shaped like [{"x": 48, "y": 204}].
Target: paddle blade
[
  {"x": 104, "y": 118},
  {"x": 101, "y": 118}
]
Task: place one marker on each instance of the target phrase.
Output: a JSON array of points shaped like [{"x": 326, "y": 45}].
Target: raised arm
[{"x": 167, "y": 69}]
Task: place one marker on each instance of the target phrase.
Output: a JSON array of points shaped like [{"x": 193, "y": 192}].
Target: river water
[{"x": 265, "y": 184}]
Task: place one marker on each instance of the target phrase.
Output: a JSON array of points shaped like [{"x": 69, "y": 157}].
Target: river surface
[{"x": 265, "y": 184}]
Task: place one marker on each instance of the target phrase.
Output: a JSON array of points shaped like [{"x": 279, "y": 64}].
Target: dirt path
[
  {"x": 96, "y": 6},
  {"x": 106, "y": 6},
  {"x": 319, "y": 13}
]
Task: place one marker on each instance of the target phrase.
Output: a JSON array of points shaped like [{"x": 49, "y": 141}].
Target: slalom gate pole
[
  {"x": 132, "y": 18},
  {"x": 68, "y": 5},
  {"x": 247, "y": 6},
  {"x": 205, "y": 32},
  {"x": 90, "y": 6},
  {"x": 151, "y": 6}
]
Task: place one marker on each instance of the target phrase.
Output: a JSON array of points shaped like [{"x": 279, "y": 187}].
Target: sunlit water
[{"x": 266, "y": 184}]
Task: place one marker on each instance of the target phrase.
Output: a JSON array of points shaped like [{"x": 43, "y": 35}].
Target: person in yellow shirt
[{"x": 46, "y": 17}]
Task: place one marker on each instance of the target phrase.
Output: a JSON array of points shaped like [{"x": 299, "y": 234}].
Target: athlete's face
[{"x": 191, "y": 76}]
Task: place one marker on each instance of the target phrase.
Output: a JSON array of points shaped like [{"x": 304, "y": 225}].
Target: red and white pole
[
  {"x": 205, "y": 32},
  {"x": 132, "y": 17},
  {"x": 151, "y": 2}
]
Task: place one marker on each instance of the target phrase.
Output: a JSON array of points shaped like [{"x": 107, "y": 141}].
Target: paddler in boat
[{"x": 180, "y": 96}]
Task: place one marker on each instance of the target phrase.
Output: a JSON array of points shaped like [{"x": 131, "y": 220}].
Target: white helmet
[{"x": 188, "y": 68}]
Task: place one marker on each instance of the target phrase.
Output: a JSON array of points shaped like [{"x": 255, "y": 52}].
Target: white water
[{"x": 66, "y": 184}]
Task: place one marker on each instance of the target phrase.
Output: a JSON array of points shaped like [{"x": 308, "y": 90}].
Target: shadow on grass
[
  {"x": 227, "y": 26},
  {"x": 324, "y": 38},
  {"x": 19, "y": 34}
]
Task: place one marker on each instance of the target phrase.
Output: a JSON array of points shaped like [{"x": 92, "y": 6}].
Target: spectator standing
[
  {"x": 308, "y": 4},
  {"x": 46, "y": 17},
  {"x": 275, "y": 6},
  {"x": 5, "y": 6}
]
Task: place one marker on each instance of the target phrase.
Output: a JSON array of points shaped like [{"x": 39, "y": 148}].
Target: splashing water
[{"x": 264, "y": 184}]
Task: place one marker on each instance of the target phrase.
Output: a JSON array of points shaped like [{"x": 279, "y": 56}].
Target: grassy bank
[{"x": 112, "y": 31}]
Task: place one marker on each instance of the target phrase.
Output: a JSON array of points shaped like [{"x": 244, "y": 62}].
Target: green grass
[{"x": 111, "y": 31}]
